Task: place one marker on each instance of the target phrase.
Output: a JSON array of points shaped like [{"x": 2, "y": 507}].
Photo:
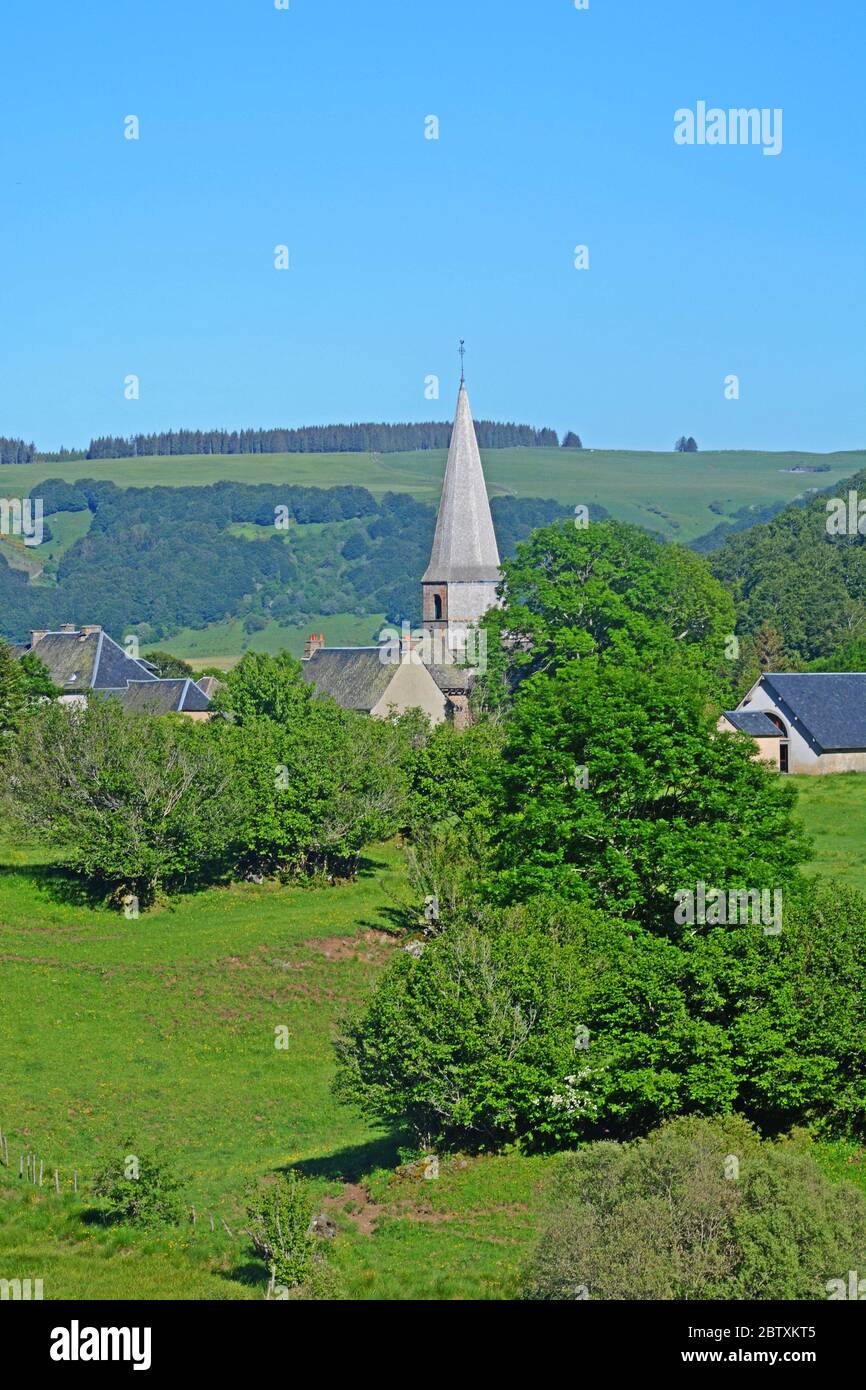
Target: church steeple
[{"x": 459, "y": 584}]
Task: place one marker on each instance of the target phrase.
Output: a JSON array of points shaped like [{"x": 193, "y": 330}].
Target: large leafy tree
[
  {"x": 608, "y": 590},
  {"x": 131, "y": 803},
  {"x": 616, "y": 788},
  {"x": 317, "y": 782},
  {"x": 550, "y": 1024}
]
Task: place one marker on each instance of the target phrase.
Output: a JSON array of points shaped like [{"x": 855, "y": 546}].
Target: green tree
[
  {"x": 616, "y": 788},
  {"x": 611, "y": 590},
  {"x": 551, "y": 1024},
  {"x": 140, "y": 1185},
  {"x": 37, "y": 681},
  {"x": 13, "y": 691},
  {"x": 132, "y": 803},
  {"x": 168, "y": 666},
  {"x": 278, "y": 1215}
]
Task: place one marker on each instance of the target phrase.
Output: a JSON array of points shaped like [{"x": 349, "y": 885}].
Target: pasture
[
  {"x": 163, "y": 1029},
  {"x": 680, "y": 495}
]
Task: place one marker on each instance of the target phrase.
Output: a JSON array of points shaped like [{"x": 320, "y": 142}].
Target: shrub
[
  {"x": 700, "y": 1209},
  {"x": 141, "y": 1187},
  {"x": 279, "y": 1215},
  {"x": 550, "y": 1024}
]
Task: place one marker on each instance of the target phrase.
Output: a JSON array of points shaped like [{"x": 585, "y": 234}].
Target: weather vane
[{"x": 462, "y": 355}]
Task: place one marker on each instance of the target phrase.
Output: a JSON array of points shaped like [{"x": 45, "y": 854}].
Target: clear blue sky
[{"x": 306, "y": 127}]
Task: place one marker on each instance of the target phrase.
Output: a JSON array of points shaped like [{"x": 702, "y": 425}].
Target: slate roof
[
  {"x": 754, "y": 722},
  {"x": 84, "y": 661},
  {"x": 178, "y": 695},
  {"x": 78, "y": 661},
  {"x": 831, "y": 705},
  {"x": 353, "y": 676},
  {"x": 464, "y": 545},
  {"x": 454, "y": 678}
]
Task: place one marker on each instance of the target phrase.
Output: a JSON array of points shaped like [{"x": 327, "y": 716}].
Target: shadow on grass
[
  {"x": 354, "y": 1163},
  {"x": 56, "y": 883},
  {"x": 395, "y": 921},
  {"x": 253, "y": 1274}
]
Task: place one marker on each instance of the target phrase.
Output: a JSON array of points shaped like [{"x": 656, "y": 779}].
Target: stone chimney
[
  {"x": 315, "y": 643},
  {"x": 68, "y": 627},
  {"x": 36, "y": 635},
  {"x": 90, "y": 629}
]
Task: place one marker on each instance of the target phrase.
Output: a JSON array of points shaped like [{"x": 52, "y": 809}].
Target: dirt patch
[
  {"x": 369, "y": 945},
  {"x": 365, "y": 1214}
]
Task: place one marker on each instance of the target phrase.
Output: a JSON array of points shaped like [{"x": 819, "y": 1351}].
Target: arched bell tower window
[{"x": 437, "y": 605}]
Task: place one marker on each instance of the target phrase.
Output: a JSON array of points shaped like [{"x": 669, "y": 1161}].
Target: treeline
[
  {"x": 16, "y": 451},
  {"x": 319, "y": 439}
]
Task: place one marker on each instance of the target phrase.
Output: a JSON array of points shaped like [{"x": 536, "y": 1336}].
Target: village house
[
  {"x": 86, "y": 659},
  {"x": 811, "y": 722}
]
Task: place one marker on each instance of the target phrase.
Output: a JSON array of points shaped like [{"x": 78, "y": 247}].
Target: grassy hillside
[
  {"x": 163, "y": 1028},
  {"x": 834, "y": 810},
  {"x": 223, "y": 644},
  {"x": 682, "y": 495}
]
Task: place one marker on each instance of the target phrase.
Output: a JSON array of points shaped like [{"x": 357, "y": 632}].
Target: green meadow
[
  {"x": 834, "y": 811},
  {"x": 163, "y": 1028},
  {"x": 223, "y": 644},
  {"x": 680, "y": 495}
]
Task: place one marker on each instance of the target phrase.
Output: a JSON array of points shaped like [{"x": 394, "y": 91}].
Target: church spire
[{"x": 464, "y": 546}]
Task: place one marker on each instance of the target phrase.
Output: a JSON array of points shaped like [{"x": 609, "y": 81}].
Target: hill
[
  {"x": 681, "y": 495},
  {"x": 807, "y": 583}
]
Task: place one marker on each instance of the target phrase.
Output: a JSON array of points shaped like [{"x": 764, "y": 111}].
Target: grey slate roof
[
  {"x": 831, "y": 705},
  {"x": 753, "y": 722},
  {"x": 83, "y": 661},
  {"x": 353, "y": 676},
  {"x": 80, "y": 661},
  {"x": 178, "y": 695},
  {"x": 464, "y": 546},
  {"x": 453, "y": 678}
]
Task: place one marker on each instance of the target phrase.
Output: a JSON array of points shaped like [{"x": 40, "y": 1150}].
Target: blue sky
[{"x": 305, "y": 127}]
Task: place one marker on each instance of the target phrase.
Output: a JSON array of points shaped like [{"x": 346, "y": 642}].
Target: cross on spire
[{"x": 462, "y": 351}]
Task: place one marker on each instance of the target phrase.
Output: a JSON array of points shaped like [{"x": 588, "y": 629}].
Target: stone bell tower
[{"x": 459, "y": 584}]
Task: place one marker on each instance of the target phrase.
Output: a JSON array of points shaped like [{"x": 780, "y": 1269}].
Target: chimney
[
  {"x": 36, "y": 635},
  {"x": 315, "y": 643},
  {"x": 90, "y": 629},
  {"x": 68, "y": 627}
]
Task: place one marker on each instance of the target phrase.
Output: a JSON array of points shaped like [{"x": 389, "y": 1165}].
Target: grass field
[
  {"x": 834, "y": 810},
  {"x": 164, "y": 1029},
  {"x": 668, "y": 492},
  {"x": 224, "y": 644}
]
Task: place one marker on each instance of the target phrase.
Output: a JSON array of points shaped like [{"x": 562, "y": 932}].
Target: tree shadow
[
  {"x": 353, "y": 1163},
  {"x": 253, "y": 1274},
  {"x": 57, "y": 884},
  {"x": 396, "y": 921}
]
